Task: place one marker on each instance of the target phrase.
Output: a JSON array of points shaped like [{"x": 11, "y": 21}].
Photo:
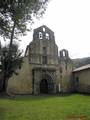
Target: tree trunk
[
  {"x": 10, "y": 48},
  {"x": 6, "y": 86},
  {"x": 11, "y": 40},
  {"x": 9, "y": 61}
]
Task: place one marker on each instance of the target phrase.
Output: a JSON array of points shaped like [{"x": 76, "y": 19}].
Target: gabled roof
[
  {"x": 45, "y": 27},
  {"x": 82, "y": 68},
  {"x": 41, "y": 28}
]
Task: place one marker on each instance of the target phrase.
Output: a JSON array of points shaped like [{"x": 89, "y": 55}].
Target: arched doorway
[{"x": 43, "y": 86}]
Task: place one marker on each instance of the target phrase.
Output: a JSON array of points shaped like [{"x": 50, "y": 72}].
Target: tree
[
  {"x": 16, "y": 14},
  {"x": 81, "y": 61},
  {"x": 14, "y": 17},
  {"x": 15, "y": 62}
]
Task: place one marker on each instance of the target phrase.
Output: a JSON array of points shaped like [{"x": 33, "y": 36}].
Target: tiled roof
[{"x": 82, "y": 68}]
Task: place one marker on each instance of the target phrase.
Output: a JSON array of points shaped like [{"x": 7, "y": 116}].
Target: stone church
[{"x": 45, "y": 69}]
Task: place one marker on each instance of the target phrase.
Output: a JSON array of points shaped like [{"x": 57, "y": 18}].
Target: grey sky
[{"x": 70, "y": 21}]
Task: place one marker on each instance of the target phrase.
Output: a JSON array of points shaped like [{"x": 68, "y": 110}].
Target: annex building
[{"x": 45, "y": 69}]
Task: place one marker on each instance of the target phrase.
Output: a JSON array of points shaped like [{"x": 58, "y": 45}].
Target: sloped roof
[
  {"x": 41, "y": 28},
  {"x": 45, "y": 27},
  {"x": 82, "y": 68}
]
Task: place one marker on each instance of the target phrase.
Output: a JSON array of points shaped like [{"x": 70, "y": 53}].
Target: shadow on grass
[
  {"x": 83, "y": 93},
  {"x": 40, "y": 96},
  {"x": 36, "y": 97}
]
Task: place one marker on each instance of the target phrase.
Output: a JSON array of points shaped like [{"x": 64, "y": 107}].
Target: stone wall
[
  {"x": 65, "y": 71},
  {"x": 41, "y": 48},
  {"x": 21, "y": 84},
  {"x": 82, "y": 80},
  {"x": 65, "y": 74}
]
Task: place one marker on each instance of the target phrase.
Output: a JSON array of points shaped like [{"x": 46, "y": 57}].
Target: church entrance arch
[
  {"x": 46, "y": 84},
  {"x": 43, "y": 86},
  {"x": 44, "y": 81}
]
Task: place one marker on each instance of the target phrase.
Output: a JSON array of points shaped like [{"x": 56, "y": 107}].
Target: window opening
[
  {"x": 44, "y": 60},
  {"x": 43, "y": 29},
  {"x": 77, "y": 79},
  {"x": 40, "y": 35},
  {"x": 47, "y": 36},
  {"x": 44, "y": 50}
]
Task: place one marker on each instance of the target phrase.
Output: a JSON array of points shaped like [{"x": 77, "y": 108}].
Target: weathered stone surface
[
  {"x": 82, "y": 80},
  {"x": 22, "y": 83},
  {"x": 43, "y": 64}
]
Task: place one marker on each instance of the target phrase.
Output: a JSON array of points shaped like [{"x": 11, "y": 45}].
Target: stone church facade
[{"x": 45, "y": 69}]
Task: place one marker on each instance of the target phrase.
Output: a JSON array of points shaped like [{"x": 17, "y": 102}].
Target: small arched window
[
  {"x": 47, "y": 36},
  {"x": 40, "y": 35}
]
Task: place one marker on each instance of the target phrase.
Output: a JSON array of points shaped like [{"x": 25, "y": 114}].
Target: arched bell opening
[{"x": 40, "y": 35}]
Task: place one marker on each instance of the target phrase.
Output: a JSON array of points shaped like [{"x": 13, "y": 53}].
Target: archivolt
[{"x": 46, "y": 77}]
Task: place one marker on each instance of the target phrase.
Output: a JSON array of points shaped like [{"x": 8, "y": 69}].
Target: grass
[{"x": 45, "y": 107}]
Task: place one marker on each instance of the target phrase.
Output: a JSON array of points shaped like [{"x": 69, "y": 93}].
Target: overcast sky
[{"x": 70, "y": 21}]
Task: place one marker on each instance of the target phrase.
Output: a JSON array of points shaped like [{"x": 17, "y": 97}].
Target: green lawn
[{"x": 45, "y": 107}]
